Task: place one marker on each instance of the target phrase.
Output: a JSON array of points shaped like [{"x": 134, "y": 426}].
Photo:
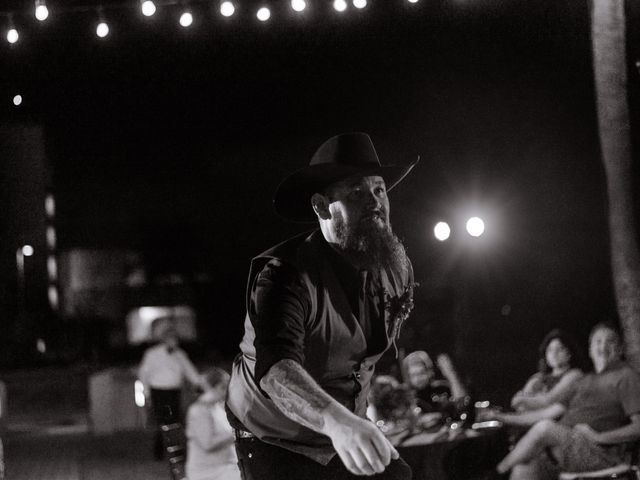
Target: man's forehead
[{"x": 359, "y": 180}]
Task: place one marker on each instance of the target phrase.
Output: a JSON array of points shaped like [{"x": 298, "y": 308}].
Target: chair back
[{"x": 175, "y": 445}]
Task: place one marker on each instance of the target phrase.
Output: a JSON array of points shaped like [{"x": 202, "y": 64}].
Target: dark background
[{"x": 172, "y": 141}]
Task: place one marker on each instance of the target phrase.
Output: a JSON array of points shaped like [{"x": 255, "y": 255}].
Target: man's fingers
[
  {"x": 372, "y": 459},
  {"x": 394, "y": 453},
  {"x": 383, "y": 447},
  {"x": 360, "y": 465},
  {"x": 348, "y": 461}
]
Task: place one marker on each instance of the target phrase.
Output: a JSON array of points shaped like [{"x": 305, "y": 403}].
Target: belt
[{"x": 242, "y": 434}]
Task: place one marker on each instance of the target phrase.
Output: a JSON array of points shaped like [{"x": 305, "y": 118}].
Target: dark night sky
[{"x": 175, "y": 140}]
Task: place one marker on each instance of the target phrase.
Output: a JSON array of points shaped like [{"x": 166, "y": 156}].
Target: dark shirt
[{"x": 282, "y": 306}]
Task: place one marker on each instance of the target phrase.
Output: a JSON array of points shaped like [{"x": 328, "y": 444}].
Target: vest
[{"x": 335, "y": 349}]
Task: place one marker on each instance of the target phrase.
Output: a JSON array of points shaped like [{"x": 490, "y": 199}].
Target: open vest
[{"x": 335, "y": 349}]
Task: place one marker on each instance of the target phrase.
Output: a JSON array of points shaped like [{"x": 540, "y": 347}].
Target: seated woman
[
  {"x": 210, "y": 449},
  {"x": 558, "y": 371},
  {"x": 446, "y": 394}
]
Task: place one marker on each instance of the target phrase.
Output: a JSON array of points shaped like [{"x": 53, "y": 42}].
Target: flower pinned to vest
[{"x": 396, "y": 310}]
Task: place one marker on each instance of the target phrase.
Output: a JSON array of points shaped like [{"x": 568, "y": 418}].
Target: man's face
[
  {"x": 604, "y": 348},
  {"x": 360, "y": 202},
  {"x": 420, "y": 375}
]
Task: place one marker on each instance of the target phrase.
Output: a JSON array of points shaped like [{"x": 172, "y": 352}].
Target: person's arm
[
  {"x": 627, "y": 433},
  {"x": 201, "y": 429},
  {"x": 531, "y": 387},
  {"x": 143, "y": 374},
  {"x": 526, "y": 419},
  {"x": 445, "y": 364},
  {"x": 362, "y": 447},
  {"x": 554, "y": 395},
  {"x": 190, "y": 372}
]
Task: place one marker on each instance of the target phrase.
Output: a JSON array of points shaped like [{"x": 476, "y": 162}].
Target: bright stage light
[
  {"x": 359, "y": 3},
  {"x": 227, "y": 9},
  {"x": 102, "y": 30},
  {"x": 42, "y": 12},
  {"x": 148, "y": 8},
  {"x": 298, "y": 5},
  {"x": 17, "y": 100},
  {"x": 263, "y": 14},
  {"x": 475, "y": 226},
  {"x": 442, "y": 231},
  {"x": 186, "y": 19},
  {"x": 27, "y": 250},
  {"x": 12, "y": 35}
]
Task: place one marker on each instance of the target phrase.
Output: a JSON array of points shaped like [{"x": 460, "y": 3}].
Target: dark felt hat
[{"x": 338, "y": 158}]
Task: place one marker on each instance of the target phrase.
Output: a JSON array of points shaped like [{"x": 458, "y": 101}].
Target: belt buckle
[{"x": 242, "y": 434}]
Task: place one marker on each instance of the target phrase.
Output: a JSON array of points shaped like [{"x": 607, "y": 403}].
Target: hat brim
[{"x": 292, "y": 198}]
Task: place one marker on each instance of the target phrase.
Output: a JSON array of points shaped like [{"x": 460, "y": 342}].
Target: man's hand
[
  {"x": 588, "y": 432},
  {"x": 362, "y": 447}
]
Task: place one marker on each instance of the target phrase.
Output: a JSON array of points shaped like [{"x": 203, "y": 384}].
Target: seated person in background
[
  {"x": 558, "y": 370},
  {"x": 210, "y": 449},
  {"x": 593, "y": 425},
  {"x": 433, "y": 393}
]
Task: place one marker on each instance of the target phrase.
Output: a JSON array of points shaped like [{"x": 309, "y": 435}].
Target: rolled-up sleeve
[{"x": 279, "y": 308}]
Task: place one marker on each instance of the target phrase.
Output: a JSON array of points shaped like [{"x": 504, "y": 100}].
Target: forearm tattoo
[{"x": 296, "y": 393}]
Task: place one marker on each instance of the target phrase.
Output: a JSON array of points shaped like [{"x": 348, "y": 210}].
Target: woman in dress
[
  {"x": 210, "y": 449},
  {"x": 559, "y": 368}
]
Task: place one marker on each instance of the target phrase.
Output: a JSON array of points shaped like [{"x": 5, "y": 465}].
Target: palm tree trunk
[{"x": 610, "y": 68}]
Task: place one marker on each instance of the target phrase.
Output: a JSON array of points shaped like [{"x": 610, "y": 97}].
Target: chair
[
  {"x": 175, "y": 446},
  {"x": 622, "y": 471}
]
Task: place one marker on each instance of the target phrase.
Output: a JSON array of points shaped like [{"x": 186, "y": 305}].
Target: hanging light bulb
[
  {"x": 186, "y": 19},
  {"x": 263, "y": 14},
  {"x": 340, "y": 5},
  {"x": 227, "y": 9},
  {"x": 12, "y": 35},
  {"x": 41, "y": 12},
  {"x": 148, "y": 7},
  {"x": 360, "y": 3},
  {"x": 298, "y": 5},
  {"x": 102, "y": 29}
]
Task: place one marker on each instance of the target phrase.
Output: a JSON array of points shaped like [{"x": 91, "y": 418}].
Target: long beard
[{"x": 371, "y": 246}]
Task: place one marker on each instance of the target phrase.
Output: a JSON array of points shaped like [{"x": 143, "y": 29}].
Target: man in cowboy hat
[{"x": 321, "y": 310}]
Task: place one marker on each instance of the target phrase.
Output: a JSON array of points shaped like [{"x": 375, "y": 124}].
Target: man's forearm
[
  {"x": 628, "y": 433},
  {"x": 297, "y": 394}
]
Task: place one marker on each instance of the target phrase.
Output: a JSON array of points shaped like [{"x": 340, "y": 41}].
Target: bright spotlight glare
[
  {"x": 17, "y": 100},
  {"x": 148, "y": 8},
  {"x": 227, "y": 9},
  {"x": 102, "y": 30},
  {"x": 42, "y": 12},
  {"x": 340, "y": 5},
  {"x": 442, "y": 231},
  {"x": 12, "y": 35},
  {"x": 298, "y": 5},
  {"x": 413, "y": 1},
  {"x": 359, "y": 3},
  {"x": 263, "y": 14},
  {"x": 475, "y": 226},
  {"x": 186, "y": 19},
  {"x": 27, "y": 250}
]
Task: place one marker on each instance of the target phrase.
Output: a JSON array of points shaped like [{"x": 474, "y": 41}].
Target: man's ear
[{"x": 320, "y": 205}]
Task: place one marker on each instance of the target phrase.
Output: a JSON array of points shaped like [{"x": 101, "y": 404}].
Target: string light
[
  {"x": 227, "y": 9},
  {"x": 186, "y": 19},
  {"x": 298, "y": 5},
  {"x": 148, "y": 7},
  {"x": 263, "y": 14},
  {"x": 41, "y": 12},
  {"x": 17, "y": 100},
  {"x": 360, "y": 3},
  {"x": 340, "y": 5},
  {"x": 102, "y": 30},
  {"x": 12, "y": 35}
]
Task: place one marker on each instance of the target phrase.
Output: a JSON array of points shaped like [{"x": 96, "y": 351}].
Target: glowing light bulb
[
  {"x": 12, "y": 35},
  {"x": 475, "y": 226},
  {"x": 17, "y": 100},
  {"x": 298, "y": 5},
  {"x": 359, "y": 3},
  {"x": 340, "y": 5},
  {"x": 186, "y": 19},
  {"x": 227, "y": 9},
  {"x": 263, "y": 14},
  {"x": 148, "y": 8},
  {"x": 42, "y": 12},
  {"x": 102, "y": 30},
  {"x": 442, "y": 231}
]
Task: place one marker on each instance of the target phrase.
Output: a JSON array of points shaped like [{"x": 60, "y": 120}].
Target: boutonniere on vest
[{"x": 397, "y": 310}]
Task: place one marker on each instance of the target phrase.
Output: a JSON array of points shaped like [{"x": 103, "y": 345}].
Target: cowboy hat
[{"x": 338, "y": 158}]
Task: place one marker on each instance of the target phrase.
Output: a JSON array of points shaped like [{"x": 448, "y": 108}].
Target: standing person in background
[
  {"x": 164, "y": 370},
  {"x": 559, "y": 368},
  {"x": 210, "y": 452},
  {"x": 322, "y": 308}
]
